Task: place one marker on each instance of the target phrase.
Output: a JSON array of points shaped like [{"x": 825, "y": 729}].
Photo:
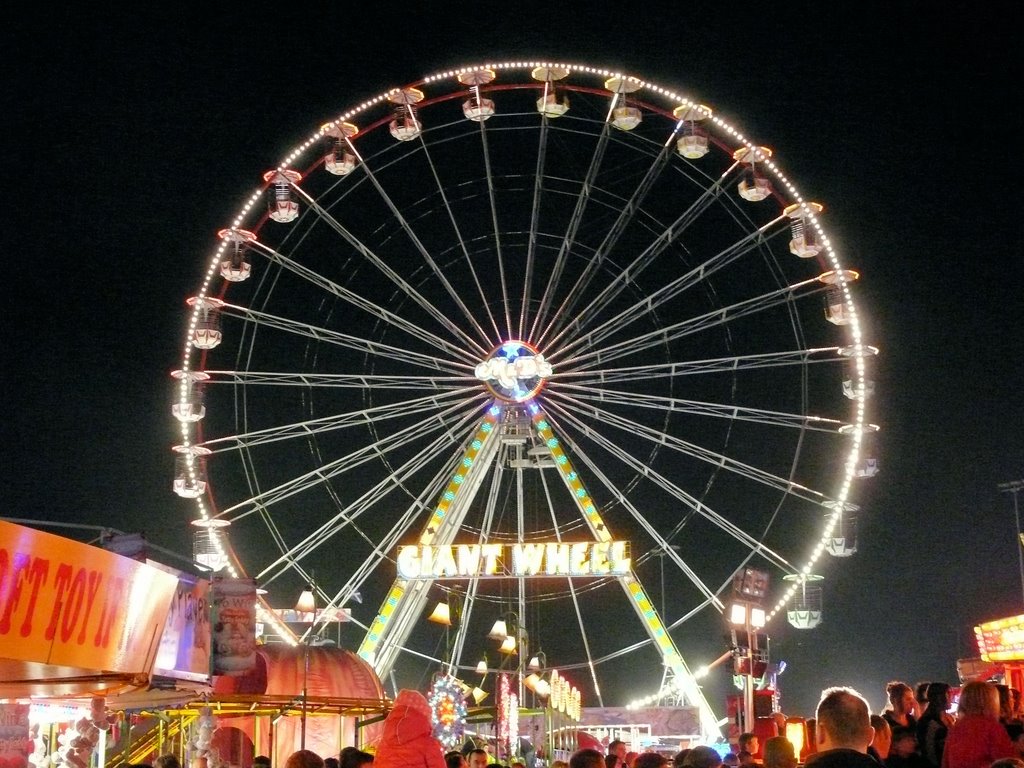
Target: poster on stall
[
  {"x": 15, "y": 741},
  {"x": 184, "y": 652},
  {"x": 233, "y": 622}
]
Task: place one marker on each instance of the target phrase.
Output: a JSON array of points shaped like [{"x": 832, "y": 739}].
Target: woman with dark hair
[
  {"x": 900, "y": 710},
  {"x": 934, "y": 724}
]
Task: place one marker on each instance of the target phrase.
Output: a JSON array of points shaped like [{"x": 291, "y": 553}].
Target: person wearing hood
[{"x": 408, "y": 739}]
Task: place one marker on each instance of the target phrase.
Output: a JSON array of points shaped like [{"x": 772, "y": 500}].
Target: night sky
[{"x": 134, "y": 139}]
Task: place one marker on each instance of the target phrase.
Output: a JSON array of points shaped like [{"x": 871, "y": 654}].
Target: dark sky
[{"x": 134, "y": 138}]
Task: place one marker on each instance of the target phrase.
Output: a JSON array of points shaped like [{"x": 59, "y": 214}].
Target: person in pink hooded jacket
[{"x": 408, "y": 739}]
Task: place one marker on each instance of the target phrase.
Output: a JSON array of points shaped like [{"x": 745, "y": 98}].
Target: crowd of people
[{"x": 915, "y": 730}]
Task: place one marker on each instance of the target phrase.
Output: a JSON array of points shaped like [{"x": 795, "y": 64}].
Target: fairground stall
[
  {"x": 107, "y": 660},
  {"x": 1000, "y": 653}
]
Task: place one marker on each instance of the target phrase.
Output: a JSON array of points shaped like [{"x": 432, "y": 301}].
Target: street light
[{"x": 306, "y": 604}]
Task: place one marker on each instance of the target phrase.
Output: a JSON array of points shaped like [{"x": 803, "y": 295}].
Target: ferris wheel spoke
[
  {"x": 535, "y": 208},
  {"x": 446, "y": 421},
  {"x": 313, "y": 379},
  {"x": 687, "y": 448},
  {"x": 712, "y": 319},
  {"x": 626, "y": 214},
  {"x": 595, "y": 471},
  {"x": 566, "y": 320},
  {"x": 568, "y": 239},
  {"x": 388, "y": 351},
  {"x": 747, "y": 540},
  {"x": 354, "y": 299},
  {"x": 700, "y": 408},
  {"x": 669, "y": 291},
  {"x": 403, "y": 285},
  {"x": 484, "y": 302},
  {"x": 372, "y": 497},
  {"x": 496, "y": 231},
  {"x": 381, "y": 547},
  {"x": 427, "y": 404},
  {"x": 796, "y": 357}
]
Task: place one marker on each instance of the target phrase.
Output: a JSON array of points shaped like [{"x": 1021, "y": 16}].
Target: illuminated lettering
[
  {"x": 557, "y": 558},
  {"x": 491, "y": 553},
  {"x": 520, "y": 560},
  {"x": 578, "y": 557},
  {"x": 445, "y": 563},
  {"x": 527, "y": 559},
  {"x": 469, "y": 559},
  {"x": 408, "y": 563}
]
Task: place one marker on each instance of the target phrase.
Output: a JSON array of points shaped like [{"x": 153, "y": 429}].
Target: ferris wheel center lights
[{"x": 459, "y": 561}]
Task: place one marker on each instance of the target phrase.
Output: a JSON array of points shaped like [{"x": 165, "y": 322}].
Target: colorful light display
[{"x": 448, "y": 711}]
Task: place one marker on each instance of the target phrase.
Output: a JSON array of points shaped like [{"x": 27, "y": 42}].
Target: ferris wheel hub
[{"x": 514, "y": 372}]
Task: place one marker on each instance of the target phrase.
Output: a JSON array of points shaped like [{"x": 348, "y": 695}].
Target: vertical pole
[
  {"x": 1020, "y": 543},
  {"x": 305, "y": 683},
  {"x": 1015, "y": 487},
  {"x": 748, "y": 688}
]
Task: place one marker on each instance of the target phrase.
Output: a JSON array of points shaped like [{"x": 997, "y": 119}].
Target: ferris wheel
[{"x": 545, "y": 339}]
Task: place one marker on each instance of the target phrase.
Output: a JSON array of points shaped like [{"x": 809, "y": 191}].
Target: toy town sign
[{"x": 464, "y": 561}]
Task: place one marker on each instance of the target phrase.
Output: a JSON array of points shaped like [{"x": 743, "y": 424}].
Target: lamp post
[
  {"x": 1014, "y": 487},
  {"x": 306, "y": 604}
]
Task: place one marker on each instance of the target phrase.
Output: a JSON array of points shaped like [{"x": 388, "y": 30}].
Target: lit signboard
[
  {"x": 463, "y": 561},
  {"x": 1001, "y": 640}
]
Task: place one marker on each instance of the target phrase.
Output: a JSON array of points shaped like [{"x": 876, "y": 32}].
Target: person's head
[
  {"x": 581, "y": 758},
  {"x": 904, "y": 742},
  {"x": 938, "y": 696},
  {"x": 882, "y": 740},
  {"x": 517, "y": 764},
  {"x": 901, "y": 697},
  {"x": 351, "y": 757},
  {"x": 679, "y": 758},
  {"x": 730, "y": 759},
  {"x": 618, "y": 748},
  {"x": 702, "y": 757},
  {"x": 304, "y": 758},
  {"x": 749, "y": 742},
  {"x": 454, "y": 759},
  {"x": 651, "y": 760},
  {"x": 779, "y": 752},
  {"x": 261, "y": 761},
  {"x": 331, "y": 762},
  {"x": 979, "y": 698},
  {"x": 843, "y": 720},
  {"x": 477, "y": 758},
  {"x": 1007, "y": 762},
  {"x": 167, "y": 761}
]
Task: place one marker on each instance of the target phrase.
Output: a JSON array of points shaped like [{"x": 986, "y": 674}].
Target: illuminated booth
[{"x": 1000, "y": 653}]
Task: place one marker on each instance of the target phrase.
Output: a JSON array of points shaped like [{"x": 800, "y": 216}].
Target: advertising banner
[
  {"x": 67, "y": 604},
  {"x": 185, "y": 645},
  {"x": 234, "y": 625}
]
